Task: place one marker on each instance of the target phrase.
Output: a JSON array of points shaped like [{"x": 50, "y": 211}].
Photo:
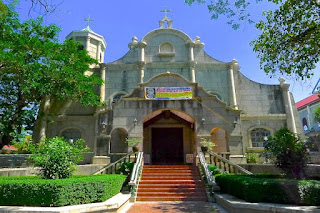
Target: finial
[
  {"x": 88, "y": 20},
  {"x": 165, "y": 11}
]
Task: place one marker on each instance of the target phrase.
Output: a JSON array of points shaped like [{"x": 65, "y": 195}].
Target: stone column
[
  {"x": 141, "y": 63},
  {"x": 234, "y": 65},
  {"x": 103, "y": 86},
  {"x": 288, "y": 105},
  {"x": 88, "y": 43},
  {"x": 192, "y": 63},
  {"x": 99, "y": 51},
  {"x": 141, "y": 66}
]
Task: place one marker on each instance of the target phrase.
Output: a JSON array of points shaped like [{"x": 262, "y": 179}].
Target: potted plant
[
  {"x": 206, "y": 144},
  {"x": 133, "y": 142}
]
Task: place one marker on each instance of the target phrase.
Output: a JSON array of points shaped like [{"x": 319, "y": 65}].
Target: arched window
[
  {"x": 259, "y": 136},
  {"x": 305, "y": 124},
  {"x": 118, "y": 141},
  {"x": 71, "y": 134},
  {"x": 166, "y": 47}
]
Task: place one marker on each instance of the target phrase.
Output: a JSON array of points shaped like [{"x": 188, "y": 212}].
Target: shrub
[
  {"x": 269, "y": 188},
  {"x": 56, "y": 157},
  {"x": 126, "y": 168},
  {"x": 290, "y": 152},
  {"x": 34, "y": 191},
  {"x": 214, "y": 170},
  {"x": 252, "y": 157}
]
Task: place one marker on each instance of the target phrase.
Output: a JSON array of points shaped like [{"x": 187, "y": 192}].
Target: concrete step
[
  {"x": 182, "y": 182},
  {"x": 176, "y": 189},
  {"x": 178, "y": 198},
  {"x": 169, "y": 178},
  {"x": 171, "y": 194},
  {"x": 171, "y": 186}
]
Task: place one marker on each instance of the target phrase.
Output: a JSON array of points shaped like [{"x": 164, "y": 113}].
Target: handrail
[
  {"x": 204, "y": 164},
  {"x": 225, "y": 161},
  {"x": 113, "y": 165},
  {"x": 136, "y": 169}
]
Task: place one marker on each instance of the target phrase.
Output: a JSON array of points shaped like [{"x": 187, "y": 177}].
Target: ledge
[
  {"x": 169, "y": 54},
  {"x": 113, "y": 204},
  {"x": 235, "y": 205}
]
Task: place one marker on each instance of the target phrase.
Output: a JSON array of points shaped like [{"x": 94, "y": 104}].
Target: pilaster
[
  {"x": 288, "y": 105},
  {"x": 233, "y": 66}
]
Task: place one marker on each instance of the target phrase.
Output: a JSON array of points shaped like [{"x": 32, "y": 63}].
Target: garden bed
[
  {"x": 270, "y": 188},
  {"x": 34, "y": 191}
]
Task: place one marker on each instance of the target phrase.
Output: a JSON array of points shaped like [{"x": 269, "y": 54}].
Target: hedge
[
  {"x": 34, "y": 191},
  {"x": 268, "y": 188}
]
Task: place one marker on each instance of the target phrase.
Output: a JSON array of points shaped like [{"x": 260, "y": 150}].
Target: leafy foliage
[
  {"x": 207, "y": 143},
  {"x": 57, "y": 157},
  {"x": 34, "y": 65},
  {"x": 126, "y": 168},
  {"x": 317, "y": 113},
  {"x": 214, "y": 170},
  {"x": 133, "y": 141},
  {"x": 235, "y": 10},
  {"x": 33, "y": 191},
  {"x": 290, "y": 39},
  {"x": 252, "y": 157},
  {"x": 267, "y": 188},
  {"x": 290, "y": 152}
]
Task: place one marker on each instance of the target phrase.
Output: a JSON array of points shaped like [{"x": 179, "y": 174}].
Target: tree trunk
[{"x": 40, "y": 128}]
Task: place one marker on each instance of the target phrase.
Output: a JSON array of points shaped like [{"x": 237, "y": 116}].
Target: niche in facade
[{"x": 166, "y": 49}]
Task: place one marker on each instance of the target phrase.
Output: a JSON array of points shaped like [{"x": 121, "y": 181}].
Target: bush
[
  {"x": 214, "y": 170},
  {"x": 56, "y": 157},
  {"x": 269, "y": 188},
  {"x": 290, "y": 152},
  {"x": 252, "y": 157},
  {"x": 34, "y": 191},
  {"x": 126, "y": 168}
]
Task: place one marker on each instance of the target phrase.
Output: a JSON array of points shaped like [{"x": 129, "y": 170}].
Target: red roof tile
[{"x": 307, "y": 101}]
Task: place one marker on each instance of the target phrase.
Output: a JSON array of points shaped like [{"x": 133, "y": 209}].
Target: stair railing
[
  {"x": 112, "y": 168},
  {"x": 205, "y": 167},
  {"x": 135, "y": 175},
  {"x": 225, "y": 164}
]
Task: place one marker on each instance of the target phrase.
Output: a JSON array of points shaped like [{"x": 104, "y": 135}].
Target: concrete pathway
[{"x": 172, "y": 207}]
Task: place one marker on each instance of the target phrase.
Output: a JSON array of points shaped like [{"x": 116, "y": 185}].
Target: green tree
[
  {"x": 38, "y": 70},
  {"x": 56, "y": 157},
  {"x": 317, "y": 114},
  {"x": 290, "y": 36},
  {"x": 290, "y": 152}
]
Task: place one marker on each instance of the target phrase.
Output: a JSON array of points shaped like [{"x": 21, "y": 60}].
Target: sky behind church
[{"x": 119, "y": 20}]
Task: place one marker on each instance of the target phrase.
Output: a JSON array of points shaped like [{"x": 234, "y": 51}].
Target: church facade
[{"x": 168, "y": 92}]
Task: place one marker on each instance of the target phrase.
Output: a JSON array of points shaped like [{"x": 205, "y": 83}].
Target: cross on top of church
[
  {"x": 88, "y": 20},
  {"x": 165, "y": 11}
]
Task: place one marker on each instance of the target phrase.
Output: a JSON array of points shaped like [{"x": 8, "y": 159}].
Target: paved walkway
[{"x": 171, "y": 207}]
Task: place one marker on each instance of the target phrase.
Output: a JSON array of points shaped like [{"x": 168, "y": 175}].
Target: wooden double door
[{"x": 167, "y": 146}]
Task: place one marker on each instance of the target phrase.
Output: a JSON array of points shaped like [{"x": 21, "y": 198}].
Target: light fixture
[
  {"x": 265, "y": 138},
  {"x": 135, "y": 121},
  {"x": 235, "y": 122},
  {"x": 203, "y": 121},
  {"x": 104, "y": 124}
]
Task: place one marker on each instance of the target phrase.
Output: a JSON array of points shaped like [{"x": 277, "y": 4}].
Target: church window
[
  {"x": 71, "y": 134},
  {"x": 118, "y": 141},
  {"x": 305, "y": 124},
  {"x": 166, "y": 48},
  {"x": 259, "y": 136}
]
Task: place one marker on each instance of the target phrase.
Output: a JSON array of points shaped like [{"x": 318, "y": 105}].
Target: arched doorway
[
  {"x": 219, "y": 137},
  {"x": 168, "y": 136}
]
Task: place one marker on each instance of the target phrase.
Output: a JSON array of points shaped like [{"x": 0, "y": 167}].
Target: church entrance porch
[
  {"x": 167, "y": 146},
  {"x": 168, "y": 137}
]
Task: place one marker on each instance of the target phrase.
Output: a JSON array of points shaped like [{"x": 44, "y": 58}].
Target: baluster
[
  {"x": 219, "y": 161},
  {"x": 224, "y": 166}
]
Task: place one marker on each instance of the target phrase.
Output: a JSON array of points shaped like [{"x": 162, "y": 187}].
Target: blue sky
[{"x": 119, "y": 20}]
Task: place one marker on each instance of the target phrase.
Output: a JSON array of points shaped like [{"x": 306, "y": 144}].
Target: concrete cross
[
  {"x": 88, "y": 20},
  {"x": 165, "y": 11}
]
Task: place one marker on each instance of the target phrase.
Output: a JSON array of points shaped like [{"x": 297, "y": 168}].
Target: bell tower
[{"x": 91, "y": 41}]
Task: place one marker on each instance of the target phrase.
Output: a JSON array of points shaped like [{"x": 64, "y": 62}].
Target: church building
[{"x": 168, "y": 92}]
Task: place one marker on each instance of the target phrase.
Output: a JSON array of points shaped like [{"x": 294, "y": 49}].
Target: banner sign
[{"x": 168, "y": 93}]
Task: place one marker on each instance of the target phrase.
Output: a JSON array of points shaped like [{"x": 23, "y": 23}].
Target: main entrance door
[{"x": 167, "y": 146}]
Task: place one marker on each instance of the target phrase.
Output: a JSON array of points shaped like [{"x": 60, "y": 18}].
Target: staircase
[{"x": 170, "y": 183}]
